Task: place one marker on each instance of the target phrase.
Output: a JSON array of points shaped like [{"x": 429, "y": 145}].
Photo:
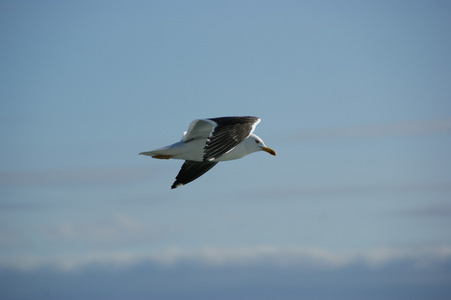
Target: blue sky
[{"x": 353, "y": 96}]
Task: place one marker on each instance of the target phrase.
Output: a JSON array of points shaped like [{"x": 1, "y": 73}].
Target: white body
[{"x": 194, "y": 150}]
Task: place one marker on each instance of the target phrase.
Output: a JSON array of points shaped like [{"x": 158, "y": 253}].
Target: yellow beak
[{"x": 269, "y": 150}]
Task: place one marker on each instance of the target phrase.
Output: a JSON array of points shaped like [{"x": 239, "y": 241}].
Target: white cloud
[
  {"x": 117, "y": 229},
  {"x": 420, "y": 257}
]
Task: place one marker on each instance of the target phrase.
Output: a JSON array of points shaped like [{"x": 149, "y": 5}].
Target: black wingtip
[
  {"x": 190, "y": 171},
  {"x": 176, "y": 185}
]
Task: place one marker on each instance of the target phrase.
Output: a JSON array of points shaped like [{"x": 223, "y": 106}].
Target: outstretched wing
[
  {"x": 227, "y": 134},
  {"x": 190, "y": 171},
  {"x": 199, "y": 129},
  {"x": 221, "y": 134}
]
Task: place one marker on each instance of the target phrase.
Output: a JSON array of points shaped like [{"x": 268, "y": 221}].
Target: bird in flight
[{"x": 209, "y": 141}]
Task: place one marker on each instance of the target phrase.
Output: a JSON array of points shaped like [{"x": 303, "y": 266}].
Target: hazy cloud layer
[
  {"x": 353, "y": 189},
  {"x": 82, "y": 177},
  {"x": 106, "y": 231},
  {"x": 422, "y": 257},
  {"x": 234, "y": 273},
  {"x": 432, "y": 210}
]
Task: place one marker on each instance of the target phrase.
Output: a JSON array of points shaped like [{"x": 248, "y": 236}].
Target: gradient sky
[{"x": 353, "y": 95}]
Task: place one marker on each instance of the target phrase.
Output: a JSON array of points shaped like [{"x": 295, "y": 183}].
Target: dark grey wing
[
  {"x": 192, "y": 170},
  {"x": 227, "y": 134}
]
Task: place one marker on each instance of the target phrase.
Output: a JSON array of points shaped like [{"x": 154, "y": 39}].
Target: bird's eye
[{"x": 258, "y": 142}]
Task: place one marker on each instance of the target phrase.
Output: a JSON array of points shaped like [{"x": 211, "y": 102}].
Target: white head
[{"x": 254, "y": 144}]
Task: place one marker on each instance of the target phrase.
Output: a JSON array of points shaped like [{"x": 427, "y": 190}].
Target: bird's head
[{"x": 256, "y": 144}]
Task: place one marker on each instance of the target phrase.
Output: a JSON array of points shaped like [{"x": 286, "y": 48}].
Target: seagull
[{"x": 209, "y": 141}]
